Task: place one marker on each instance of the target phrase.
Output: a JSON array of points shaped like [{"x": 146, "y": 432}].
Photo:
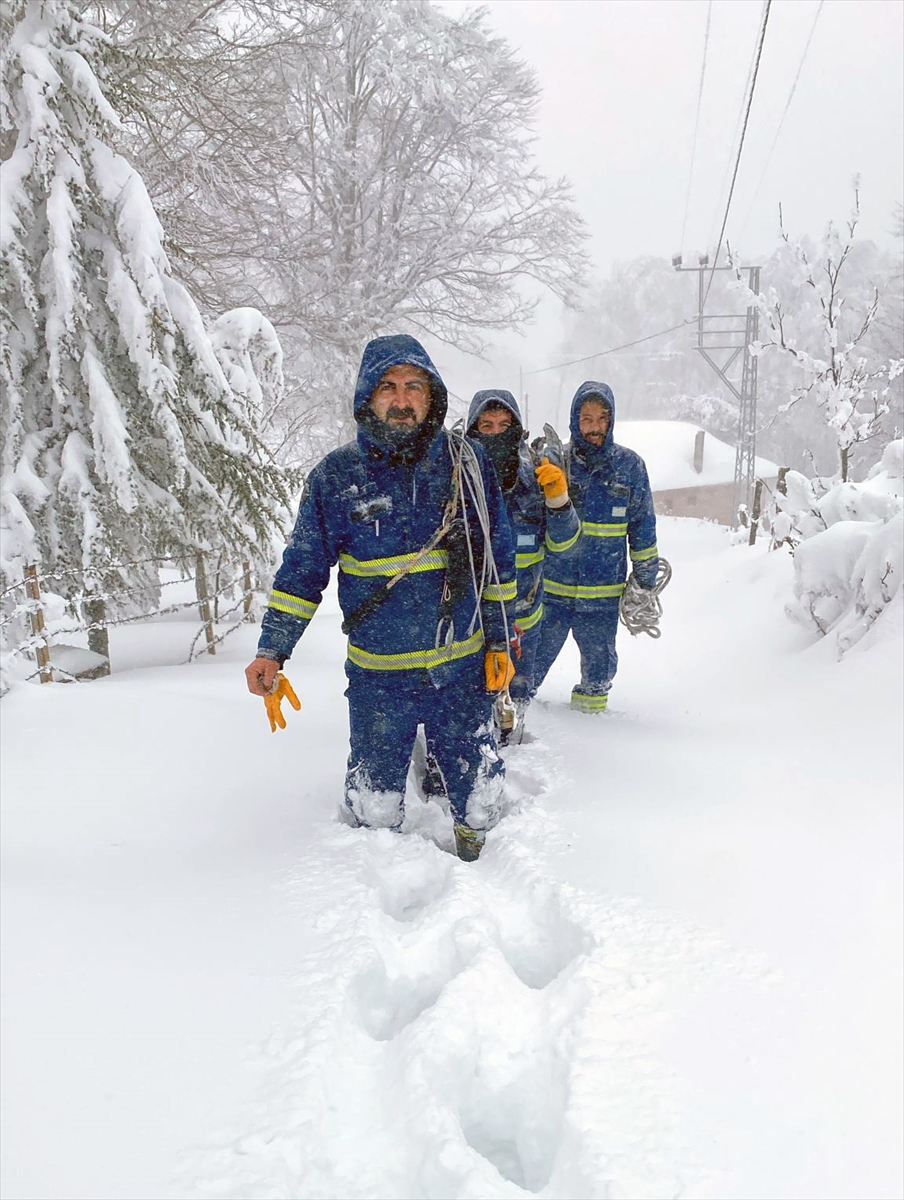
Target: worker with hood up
[
  {"x": 611, "y": 491},
  {"x": 543, "y": 522},
  {"x": 427, "y": 637}
]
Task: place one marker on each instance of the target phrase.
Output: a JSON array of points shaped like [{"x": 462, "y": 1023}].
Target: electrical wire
[
  {"x": 612, "y": 349},
  {"x": 690, "y": 177},
  {"x": 800, "y": 67},
  {"x": 720, "y": 199},
  {"x": 756, "y": 68}
]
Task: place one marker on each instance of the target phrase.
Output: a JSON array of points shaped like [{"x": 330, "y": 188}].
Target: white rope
[{"x": 640, "y": 608}]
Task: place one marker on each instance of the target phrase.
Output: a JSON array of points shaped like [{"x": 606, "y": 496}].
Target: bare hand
[{"x": 261, "y": 676}]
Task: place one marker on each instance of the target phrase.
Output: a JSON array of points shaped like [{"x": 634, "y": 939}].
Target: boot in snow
[{"x": 468, "y": 842}]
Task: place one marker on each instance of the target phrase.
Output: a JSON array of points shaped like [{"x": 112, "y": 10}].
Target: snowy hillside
[{"x": 675, "y": 970}]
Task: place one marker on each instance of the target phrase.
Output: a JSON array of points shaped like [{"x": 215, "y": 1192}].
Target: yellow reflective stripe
[
  {"x": 415, "y": 659},
  {"x": 284, "y": 602},
  {"x": 596, "y": 529},
  {"x": 529, "y": 559},
  {"x": 585, "y": 703},
  {"x": 643, "y": 555},
  {"x": 559, "y": 547},
  {"x": 581, "y": 591},
  {"x": 433, "y": 560},
  {"x": 528, "y": 622},
  {"x": 500, "y": 591}
]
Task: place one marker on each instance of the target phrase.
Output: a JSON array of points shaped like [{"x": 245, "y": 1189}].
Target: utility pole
[{"x": 731, "y": 327}]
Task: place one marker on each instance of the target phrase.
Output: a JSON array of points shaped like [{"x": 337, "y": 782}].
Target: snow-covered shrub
[{"x": 848, "y": 548}]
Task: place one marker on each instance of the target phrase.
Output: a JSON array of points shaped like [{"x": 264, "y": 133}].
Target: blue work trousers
[
  {"x": 594, "y": 633},
  {"x": 384, "y": 716}
]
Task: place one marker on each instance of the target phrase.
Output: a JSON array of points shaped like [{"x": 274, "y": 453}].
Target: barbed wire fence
[{"x": 26, "y": 634}]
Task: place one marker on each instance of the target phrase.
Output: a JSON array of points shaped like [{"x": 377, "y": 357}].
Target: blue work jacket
[
  {"x": 611, "y": 491},
  {"x": 537, "y": 529},
  {"x": 370, "y": 507}
]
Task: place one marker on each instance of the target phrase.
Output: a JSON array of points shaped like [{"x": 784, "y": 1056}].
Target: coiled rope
[{"x": 640, "y": 608}]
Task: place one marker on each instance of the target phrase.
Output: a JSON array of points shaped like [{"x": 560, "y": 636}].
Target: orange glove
[
  {"x": 281, "y": 688},
  {"x": 553, "y": 482},
  {"x": 497, "y": 665}
]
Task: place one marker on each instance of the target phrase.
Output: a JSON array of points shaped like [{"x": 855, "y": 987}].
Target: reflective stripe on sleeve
[
  {"x": 643, "y": 555},
  {"x": 598, "y": 529},
  {"x": 294, "y": 605},
  {"x": 528, "y": 622},
  {"x": 530, "y": 559},
  {"x": 500, "y": 591},
  {"x": 411, "y": 660},
  {"x": 560, "y": 547},
  {"x": 433, "y": 560},
  {"x": 582, "y": 591}
]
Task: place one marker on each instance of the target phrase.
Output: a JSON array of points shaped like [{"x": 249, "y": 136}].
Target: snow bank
[{"x": 849, "y": 554}]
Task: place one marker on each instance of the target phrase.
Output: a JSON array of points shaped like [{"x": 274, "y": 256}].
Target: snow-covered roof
[{"x": 667, "y": 447}]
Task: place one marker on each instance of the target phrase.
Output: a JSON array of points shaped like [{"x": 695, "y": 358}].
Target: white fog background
[{"x": 620, "y": 82}]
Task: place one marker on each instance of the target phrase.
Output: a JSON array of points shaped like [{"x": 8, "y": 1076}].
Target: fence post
[
  {"x": 204, "y": 603},
  {"x": 755, "y": 515},
  {"x": 246, "y": 585},
  {"x": 98, "y": 636},
  {"x": 42, "y": 650},
  {"x": 781, "y": 487}
]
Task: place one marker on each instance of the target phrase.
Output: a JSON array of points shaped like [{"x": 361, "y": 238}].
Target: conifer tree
[{"x": 122, "y": 440}]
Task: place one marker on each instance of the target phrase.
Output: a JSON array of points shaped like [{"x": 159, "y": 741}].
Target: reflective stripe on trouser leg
[
  {"x": 458, "y": 723},
  {"x": 382, "y": 724},
  {"x": 595, "y": 634},
  {"x": 588, "y": 704}
]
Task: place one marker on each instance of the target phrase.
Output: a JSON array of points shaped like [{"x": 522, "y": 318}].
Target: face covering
[{"x": 502, "y": 449}]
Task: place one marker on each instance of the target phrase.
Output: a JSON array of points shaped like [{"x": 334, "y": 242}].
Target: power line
[
  {"x": 690, "y": 177},
  {"x": 612, "y": 349},
  {"x": 734, "y": 138},
  {"x": 756, "y": 68},
  {"x": 800, "y": 67}
]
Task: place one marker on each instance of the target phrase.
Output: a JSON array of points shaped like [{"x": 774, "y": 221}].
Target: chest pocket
[{"x": 619, "y": 495}]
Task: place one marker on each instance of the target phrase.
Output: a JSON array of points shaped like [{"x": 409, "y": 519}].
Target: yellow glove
[
  {"x": 281, "y": 687},
  {"x": 498, "y": 668},
  {"x": 553, "y": 482}
]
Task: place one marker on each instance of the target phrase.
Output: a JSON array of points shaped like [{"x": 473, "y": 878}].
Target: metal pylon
[{"x": 735, "y": 333}]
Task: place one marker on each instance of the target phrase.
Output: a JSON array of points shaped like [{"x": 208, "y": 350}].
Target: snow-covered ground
[{"x": 676, "y": 970}]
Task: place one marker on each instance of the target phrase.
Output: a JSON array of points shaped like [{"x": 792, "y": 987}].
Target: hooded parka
[
  {"x": 611, "y": 491},
  {"x": 537, "y": 530},
  {"x": 371, "y": 506}
]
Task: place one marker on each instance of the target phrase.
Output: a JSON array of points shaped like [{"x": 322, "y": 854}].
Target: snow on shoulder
[{"x": 667, "y": 448}]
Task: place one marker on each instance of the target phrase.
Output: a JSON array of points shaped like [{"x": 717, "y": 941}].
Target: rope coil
[{"x": 640, "y": 608}]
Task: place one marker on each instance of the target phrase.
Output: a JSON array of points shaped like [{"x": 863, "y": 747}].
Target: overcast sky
[{"x": 620, "y": 82}]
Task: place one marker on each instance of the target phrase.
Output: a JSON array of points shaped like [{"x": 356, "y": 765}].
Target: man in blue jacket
[
  {"x": 416, "y": 521},
  {"x": 610, "y": 489},
  {"x": 542, "y": 516}
]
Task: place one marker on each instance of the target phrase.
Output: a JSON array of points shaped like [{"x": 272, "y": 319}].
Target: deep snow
[{"x": 675, "y": 971}]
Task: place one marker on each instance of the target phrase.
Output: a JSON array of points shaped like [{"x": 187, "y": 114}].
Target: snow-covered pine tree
[{"x": 122, "y": 440}]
